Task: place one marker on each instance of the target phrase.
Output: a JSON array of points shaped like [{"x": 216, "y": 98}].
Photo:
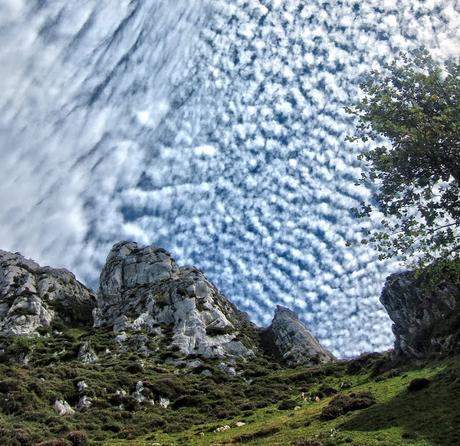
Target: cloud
[{"x": 213, "y": 128}]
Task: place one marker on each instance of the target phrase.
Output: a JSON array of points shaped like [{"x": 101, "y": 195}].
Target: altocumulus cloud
[{"x": 213, "y": 128}]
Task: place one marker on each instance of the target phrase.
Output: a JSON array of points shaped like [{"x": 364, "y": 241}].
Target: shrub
[
  {"x": 342, "y": 404},
  {"x": 9, "y": 385},
  {"x": 58, "y": 442},
  {"x": 287, "y": 405},
  {"x": 324, "y": 391},
  {"x": 418, "y": 384},
  {"x": 77, "y": 438},
  {"x": 308, "y": 442},
  {"x": 359, "y": 364},
  {"x": 15, "y": 437},
  {"x": 134, "y": 368}
]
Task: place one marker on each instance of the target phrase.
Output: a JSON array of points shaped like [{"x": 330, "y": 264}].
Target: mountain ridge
[
  {"x": 158, "y": 356},
  {"x": 142, "y": 289}
]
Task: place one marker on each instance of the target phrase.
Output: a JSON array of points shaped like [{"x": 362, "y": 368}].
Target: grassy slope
[
  {"x": 427, "y": 417},
  {"x": 201, "y": 404}
]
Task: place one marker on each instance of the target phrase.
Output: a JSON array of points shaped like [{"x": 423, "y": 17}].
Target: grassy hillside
[{"x": 324, "y": 405}]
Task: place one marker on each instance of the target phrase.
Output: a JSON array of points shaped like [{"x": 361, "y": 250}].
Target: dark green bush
[
  {"x": 78, "y": 438},
  {"x": 342, "y": 404},
  {"x": 287, "y": 405},
  {"x": 16, "y": 437},
  {"x": 418, "y": 384}
]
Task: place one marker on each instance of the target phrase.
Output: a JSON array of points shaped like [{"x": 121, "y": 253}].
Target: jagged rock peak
[
  {"x": 425, "y": 309},
  {"x": 293, "y": 342},
  {"x": 32, "y": 297},
  {"x": 142, "y": 288},
  {"x": 129, "y": 266}
]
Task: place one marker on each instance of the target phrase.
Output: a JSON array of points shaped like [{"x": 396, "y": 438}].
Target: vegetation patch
[{"x": 342, "y": 404}]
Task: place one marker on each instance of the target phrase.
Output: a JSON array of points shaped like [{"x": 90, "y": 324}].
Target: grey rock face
[
  {"x": 31, "y": 296},
  {"x": 425, "y": 316},
  {"x": 289, "y": 339},
  {"x": 142, "y": 288}
]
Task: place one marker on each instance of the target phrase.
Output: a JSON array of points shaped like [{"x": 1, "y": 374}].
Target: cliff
[{"x": 425, "y": 309}]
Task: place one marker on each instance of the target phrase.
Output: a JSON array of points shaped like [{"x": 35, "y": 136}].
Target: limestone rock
[
  {"x": 84, "y": 403},
  {"x": 86, "y": 354},
  {"x": 31, "y": 296},
  {"x": 288, "y": 338},
  {"x": 63, "y": 408},
  {"x": 164, "y": 402},
  {"x": 82, "y": 386},
  {"x": 142, "y": 288},
  {"x": 425, "y": 316},
  {"x": 138, "y": 394}
]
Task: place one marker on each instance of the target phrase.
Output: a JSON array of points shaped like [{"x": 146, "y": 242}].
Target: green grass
[
  {"x": 200, "y": 404},
  {"x": 427, "y": 417}
]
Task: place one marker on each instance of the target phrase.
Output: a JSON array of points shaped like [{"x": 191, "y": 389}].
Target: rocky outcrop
[
  {"x": 288, "y": 338},
  {"x": 32, "y": 297},
  {"x": 142, "y": 288},
  {"x": 153, "y": 306},
  {"x": 425, "y": 309}
]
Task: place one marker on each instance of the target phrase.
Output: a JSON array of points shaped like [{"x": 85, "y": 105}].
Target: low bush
[
  {"x": 308, "y": 442},
  {"x": 16, "y": 437},
  {"x": 287, "y": 405},
  {"x": 77, "y": 438},
  {"x": 342, "y": 404},
  {"x": 58, "y": 442},
  {"x": 418, "y": 384}
]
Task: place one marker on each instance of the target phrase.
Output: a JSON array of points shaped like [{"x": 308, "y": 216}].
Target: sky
[{"x": 215, "y": 129}]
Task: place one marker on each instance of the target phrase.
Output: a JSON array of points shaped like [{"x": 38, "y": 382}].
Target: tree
[{"x": 410, "y": 112}]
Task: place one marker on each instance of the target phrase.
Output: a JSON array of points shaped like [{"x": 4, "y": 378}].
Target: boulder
[
  {"x": 63, "y": 408},
  {"x": 425, "y": 310},
  {"x": 86, "y": 354},
  {"x": 288, "y": 339},
  {"x": 143, "y": 289},
  {"x": 84, "y": 403},
  {"x": 32, "y": 297}
]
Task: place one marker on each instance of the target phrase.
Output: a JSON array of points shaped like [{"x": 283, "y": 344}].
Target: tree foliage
[{"x": 410, "y": 112}]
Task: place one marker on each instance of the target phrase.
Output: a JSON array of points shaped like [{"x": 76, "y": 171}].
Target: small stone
[
  {"x": 138, "y": 394},
  {"x": 84, "y": 403},
  {"x": 82, "y": 386},
  {"x": 164, "y": 403},
  {"x": 230, "y": 371}
]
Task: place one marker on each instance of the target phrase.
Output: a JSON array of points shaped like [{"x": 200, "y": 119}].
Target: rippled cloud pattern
[{"x": 215, "y": 129}]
